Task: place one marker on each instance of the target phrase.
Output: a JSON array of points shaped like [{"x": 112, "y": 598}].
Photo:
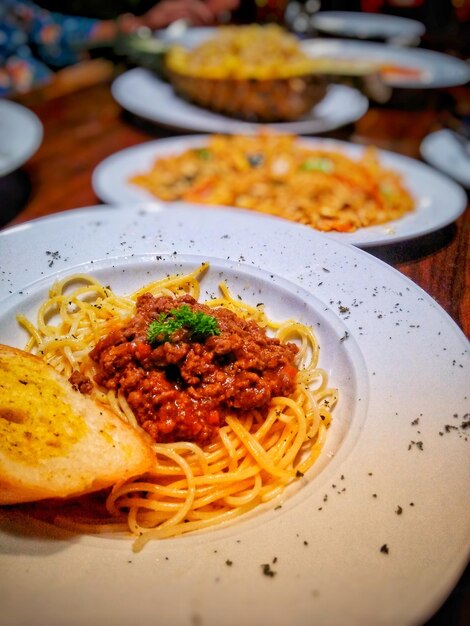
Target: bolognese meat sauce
[{"x": 181, "y": 387}]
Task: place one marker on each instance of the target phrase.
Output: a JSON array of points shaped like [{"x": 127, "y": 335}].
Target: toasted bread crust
[{"x": 55, "y": 442}]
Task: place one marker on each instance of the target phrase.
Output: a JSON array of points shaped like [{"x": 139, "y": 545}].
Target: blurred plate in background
[
  {"x": 399, "y": 30},
  {"x": 409, "y": 68},
  {"x": 20, "y": 135},
  {"x": 142, "y": 93},
  {"x": 188, "y": 37},
  {"x": 445, "y": 151}
]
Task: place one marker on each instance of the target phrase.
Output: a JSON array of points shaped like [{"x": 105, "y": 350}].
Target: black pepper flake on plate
[
  {"x": 54, "y": 256},
  {"x": 267, "y": 571}
]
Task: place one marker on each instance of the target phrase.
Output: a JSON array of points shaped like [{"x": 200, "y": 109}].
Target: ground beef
[
  {"x": 183, "y": 388},
  {"x": 81, "y": 383}
]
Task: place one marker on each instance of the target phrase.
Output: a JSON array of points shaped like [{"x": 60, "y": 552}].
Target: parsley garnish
[{"x": 197, "y": 324}]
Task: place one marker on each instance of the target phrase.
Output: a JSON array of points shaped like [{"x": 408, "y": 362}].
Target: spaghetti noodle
[{"x": 250, "y": 461}]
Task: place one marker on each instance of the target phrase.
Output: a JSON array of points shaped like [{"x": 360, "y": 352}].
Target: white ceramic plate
[
  {"x": 185, "y": 36},
  {"x": 435, "y": 69},
  {"x": 445, "y": 152},
  {"x": 439, "y": 200},
  {"x": 144, "y": 94},
  {"x": 368, "y": 26},
  {"x": 20, "y": 135},
  {"x": 399, "y": 475}
]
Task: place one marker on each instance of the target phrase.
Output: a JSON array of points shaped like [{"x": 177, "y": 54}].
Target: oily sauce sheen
[{"x": 182, "y": 389}]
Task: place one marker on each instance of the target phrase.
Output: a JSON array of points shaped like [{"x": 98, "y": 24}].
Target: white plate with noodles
[
  {"x": 437, "y": 200},
  {"x": 142, "y": 93},
  {"x": 372, "y": 513}
]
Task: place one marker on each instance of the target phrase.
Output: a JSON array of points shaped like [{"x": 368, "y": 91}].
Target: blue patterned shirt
[{"x": 34, "y": 42}]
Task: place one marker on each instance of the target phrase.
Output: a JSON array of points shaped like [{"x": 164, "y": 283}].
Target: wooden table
[{"x": 83, "y": 125}]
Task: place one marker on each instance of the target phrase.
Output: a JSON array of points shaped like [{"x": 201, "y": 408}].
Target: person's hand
[
  {"x": 197, "y": 12},
  {"x": 168, "y": 11},
  {"x": 220, "y": 6}
]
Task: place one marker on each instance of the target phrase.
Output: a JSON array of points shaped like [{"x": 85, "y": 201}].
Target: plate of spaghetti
[
  {"x": 236, "y": 404},
  {"x": 360, "y": 195},
  {"x": 278, "y": 374}
]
